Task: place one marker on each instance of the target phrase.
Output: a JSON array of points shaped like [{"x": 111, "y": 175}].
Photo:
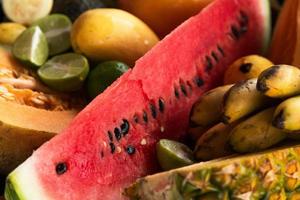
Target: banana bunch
[{"x": 259, "y": 111}]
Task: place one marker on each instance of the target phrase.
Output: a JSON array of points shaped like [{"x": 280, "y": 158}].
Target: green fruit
[
  {"x": 173, "y": 154},
  {"x": 57, "y": 28},
  {"x": 65, "y": 72},
  {"x": 31, "y": 47},
  {"x": 103, "y": 76}
]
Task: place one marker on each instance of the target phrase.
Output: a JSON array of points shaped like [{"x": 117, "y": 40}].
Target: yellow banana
[
  {"x": 287, "y": 115},
  {"x": 207, "y": 110},
  {"x": 279, "y": 81},
  {"x": 213, "y": 143},
  {"x": 256, "y": 133},
  {"x": 242, "y": 100}
]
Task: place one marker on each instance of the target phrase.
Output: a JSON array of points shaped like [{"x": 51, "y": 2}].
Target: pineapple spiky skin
[{"x": 273, "y": 175}]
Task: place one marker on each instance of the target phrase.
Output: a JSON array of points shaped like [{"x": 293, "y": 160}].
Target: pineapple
[{"x": 272, "y": 175}]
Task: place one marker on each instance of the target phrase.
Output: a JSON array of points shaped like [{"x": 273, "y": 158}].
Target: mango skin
[
  {"x": 111, "y": 34},
  {"x": 163, "y": 15}
]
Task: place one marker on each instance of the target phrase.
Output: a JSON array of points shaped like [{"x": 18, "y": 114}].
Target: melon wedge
[
  {"x": 26, "y": 117},
  {"x": 112, "y": 141},
  {"x": 23, "y": 129}
]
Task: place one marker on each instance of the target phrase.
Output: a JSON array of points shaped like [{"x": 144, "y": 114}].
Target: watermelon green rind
[
  {"x": 17, "y": 187},
  {"x": 266, "y": 8}
]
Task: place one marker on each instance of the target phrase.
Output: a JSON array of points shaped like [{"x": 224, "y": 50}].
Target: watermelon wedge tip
[{"x": 112, "y": 141}]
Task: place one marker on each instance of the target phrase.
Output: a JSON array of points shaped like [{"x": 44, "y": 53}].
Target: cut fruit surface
[
  {"x": 257, "y": 176},
  {"x": 112, "y": 141}
]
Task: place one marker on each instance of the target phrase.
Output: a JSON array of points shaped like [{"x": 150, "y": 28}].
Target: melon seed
[
  {"x": 110, "y": 136},
  {"x": 61, "y": 168},
  {"x": 145, "y": 117},
  {"x": 124, "y": 127},
  {"x": 153, "y": 110},
  {"x": 176, "y": 92},
  {"x": 112, "y": 147},
  {"x": 117, "y": 134},
  {"x": 235, "y": 34},
  {"x": 214, "y": 55},
  {"x": 130, "y": 150},
  {"x": 183, "y": 89},
  {"x": 208, "y": 63},
  {"x": 136, "y": 118},
  {"x": 161, "y": 105},
  {"x": 220, "y": 50},
  {"x": 199, "y": 81}
]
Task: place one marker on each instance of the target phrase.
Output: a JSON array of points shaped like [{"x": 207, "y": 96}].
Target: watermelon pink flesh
[{"x": 182, "y": 63}]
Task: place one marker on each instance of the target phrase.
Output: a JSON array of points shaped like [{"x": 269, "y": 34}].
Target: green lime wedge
[
  {"x": 65, "y": 72},
  {"x": 103, "y": 75},
  {"x": 31, "y": 47},
  {"x": 172, "y": 154},
  {"x": 57, "y": 29}
]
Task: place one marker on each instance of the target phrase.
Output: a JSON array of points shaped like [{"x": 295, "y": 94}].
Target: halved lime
[
  {"x": 57, "y": 29},
  {"x": 65, "y": 72},
  {"x": 172, "y": 154},
  {"x": 31, "y": 47},
  {"x": 103, "y": 75}
]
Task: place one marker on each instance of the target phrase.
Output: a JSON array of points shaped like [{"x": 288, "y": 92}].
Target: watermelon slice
[{"x": 111, "y": 142}]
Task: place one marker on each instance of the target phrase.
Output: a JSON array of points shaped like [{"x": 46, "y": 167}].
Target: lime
[
  {"x": 172, "y": 154},
  {"x": 103, "y": 75},
  {"x": 65, "y": 72},
  {"x": 57, "y": 29},
  {"x": 31, "y": 47}
]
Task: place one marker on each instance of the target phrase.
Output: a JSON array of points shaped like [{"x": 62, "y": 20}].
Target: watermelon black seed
[
  {"x": 208, "y": 63},
  {"x": 130, "y": 150},
  {"x": 244, "y": 20},
  {"x": 161, "y": 105},
  {"x": 215, "y": 56},
  {"x": 245, "y": 68},
  {"x": 190, "y": 85},
  {"x": 61, "y": 168},
  {"x": 153, "y": 110},
  {"x": 112, "y": 147},
  {"x": 110, "y": 136},
  {"x": 221, "y": 50},
  {"x": 136, "y": 118},
  {"x": 183, "y": 89},
  {"x": 199, "y": 82},
  {"x": 102, "y": 154},
  {"x": 145, "y": 117},
  {"x": 124, "y": 127},
  {"x": 235, "y": 33},
  {"x": 176, "y": 92},
  {"x": 118, "y": 135}
]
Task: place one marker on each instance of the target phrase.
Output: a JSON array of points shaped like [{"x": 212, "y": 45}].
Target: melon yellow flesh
[{"x": 25, "y": 128}]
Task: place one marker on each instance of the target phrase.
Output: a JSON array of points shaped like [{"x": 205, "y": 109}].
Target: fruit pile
[{"x": 256, "y": 110}]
